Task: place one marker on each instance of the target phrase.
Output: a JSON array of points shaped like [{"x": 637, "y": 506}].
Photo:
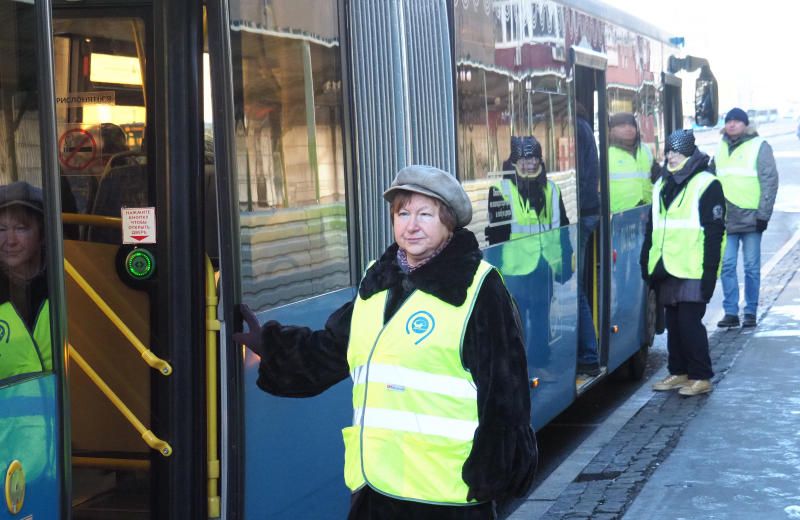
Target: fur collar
[
  {"x": 447, "y": 276},
  {"x": 749, "y": 133}
]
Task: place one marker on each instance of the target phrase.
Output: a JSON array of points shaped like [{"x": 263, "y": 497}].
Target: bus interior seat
[{"x": 121, "y": 186}]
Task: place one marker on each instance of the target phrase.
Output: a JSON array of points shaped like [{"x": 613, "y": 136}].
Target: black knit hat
[
  {"x": 681, "y": 141},
  {"x": 737, "y": 114},
  {"x": 526, "y": 147},
  {"x": 622, "y": 118}
]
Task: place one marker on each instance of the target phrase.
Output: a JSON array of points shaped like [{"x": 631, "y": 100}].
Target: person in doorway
[
  {"x": 526, "y": 205},
  {"x": 589, "y": 207},
  {"x": 681, "y": 257},
  {"x": 629, "y": 164},
  {"x": 25, "y": 345},
  {"x": 439, "y": 338},
  {"x": 746, "y": 168}
]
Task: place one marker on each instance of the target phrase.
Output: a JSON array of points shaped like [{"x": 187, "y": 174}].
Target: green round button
[{"x": 140, "y": 264}]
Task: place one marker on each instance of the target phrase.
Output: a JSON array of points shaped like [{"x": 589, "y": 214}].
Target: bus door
[
  {"x": 593, "y": 255},
  {"x": 31, "y": 304},
  {"x": 673, "y": 107},
  {"x": 130, "y": 183}
]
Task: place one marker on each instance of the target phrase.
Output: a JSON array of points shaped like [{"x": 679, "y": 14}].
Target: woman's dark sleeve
[
  {"x": 503, "y": 460},
  {"x": 301, "y": 362},
  {"x": 499, "y": 228},
  {"x": 563, "y": 210},
  {"x": 712, "y": 218},
  {"x": 644, "y": 256}
]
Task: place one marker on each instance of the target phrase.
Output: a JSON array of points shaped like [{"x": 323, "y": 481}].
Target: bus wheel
[{"x": 637, "y": 363}]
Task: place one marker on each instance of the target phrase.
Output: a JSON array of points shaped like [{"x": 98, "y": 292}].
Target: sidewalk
[
  {"x": 730, "y": 454},
  {"x": 740, "y": 457}
]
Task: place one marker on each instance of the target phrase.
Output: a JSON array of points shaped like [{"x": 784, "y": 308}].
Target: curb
[{"x": 613, "y": 477}]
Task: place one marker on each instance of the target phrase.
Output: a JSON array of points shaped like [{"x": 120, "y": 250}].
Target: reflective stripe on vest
[
  {"x": 414, "y": 405},
  {"x": 522, "y": 258},
  {"x": 677, "y": 232},
  {"x": 738, "y": 172},
  {"x": 629, "y": 177},
  {"x": 21, "y": 352}
]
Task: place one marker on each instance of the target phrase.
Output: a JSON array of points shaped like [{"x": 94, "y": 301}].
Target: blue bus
[{"x": 197, "y": 155}]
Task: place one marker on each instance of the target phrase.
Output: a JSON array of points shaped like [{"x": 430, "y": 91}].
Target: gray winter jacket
[{"x": 740, "y": 220}]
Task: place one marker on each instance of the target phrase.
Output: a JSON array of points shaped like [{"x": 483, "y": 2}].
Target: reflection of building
[{"x": 513, "y": 77}]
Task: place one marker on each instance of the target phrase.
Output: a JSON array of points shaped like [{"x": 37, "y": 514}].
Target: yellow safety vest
[
  {"x": 20, "y": 351},
  {"x": 414, "y": 404},
  {"x": 629, "y": 177},
  {"x": 738, "y": 172},
  {"x": 522, "y": 258},
  {"x": 677, "y": 232}
]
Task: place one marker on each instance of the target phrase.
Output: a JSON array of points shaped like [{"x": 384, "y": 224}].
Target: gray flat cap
[
  {"x": 21, "y": 193},
  {"x": 435, "y": 183}
]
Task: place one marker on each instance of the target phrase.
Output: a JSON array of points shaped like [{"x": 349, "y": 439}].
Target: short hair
[
  {"x": 25, "y": 215},
  {"x": 446, "y": 214}
]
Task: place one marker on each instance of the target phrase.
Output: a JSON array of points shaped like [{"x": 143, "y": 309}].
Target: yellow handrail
[
  {"x": 212, "y": 327},
  {"x": 151, "y": 359},
  {"x": 149, "y": 437},
  {"x": 92, "y": 220},
  {"x": 110, "y": 463}
]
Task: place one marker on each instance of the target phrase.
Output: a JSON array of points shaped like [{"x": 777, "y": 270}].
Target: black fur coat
[{"x": 302, "y": 362}]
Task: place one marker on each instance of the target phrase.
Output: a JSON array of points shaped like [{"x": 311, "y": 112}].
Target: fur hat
[{"x": 435, "y": 183}]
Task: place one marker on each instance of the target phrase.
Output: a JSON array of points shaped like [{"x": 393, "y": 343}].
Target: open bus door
[
  {"x": 31, "y": 310},
  {"x": 131, "y": 185},
  {"x": 589, "y": 71}
]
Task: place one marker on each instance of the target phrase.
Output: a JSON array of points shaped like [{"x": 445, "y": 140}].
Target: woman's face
[
  {"x": 675, "y": 158},
  {"x": 528, "y": 166},
  {"x": 418, "y": 230},
  {"x": 20, "y": 244},
  {"x": 624, "y": 132}
]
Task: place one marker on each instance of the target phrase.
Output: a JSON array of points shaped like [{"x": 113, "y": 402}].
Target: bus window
[
  {"x": 24, "y": 309},
  {"x": 289, "y": 143},
  {"x": 502, "y": 102},
  {"x": 101, "y": 119},
  {"x": 29, "y": 432}
]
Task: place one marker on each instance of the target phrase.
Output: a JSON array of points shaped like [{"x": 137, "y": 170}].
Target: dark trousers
[
  {"x": 368, "y": 504},
  {"x": 687, "y": 341}
]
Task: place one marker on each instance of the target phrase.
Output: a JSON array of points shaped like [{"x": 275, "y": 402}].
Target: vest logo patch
[
  {"x": 5, "y": 331},
  {"x": 420, "y": 324}
]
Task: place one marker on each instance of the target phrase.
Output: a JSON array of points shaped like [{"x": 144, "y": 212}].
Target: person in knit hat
[
  {"x": 746, "y": 168},
  {"x": 524, "y": 203},
  {"x": 681, "y": 256},
  {"x": 629, "y": 164}
]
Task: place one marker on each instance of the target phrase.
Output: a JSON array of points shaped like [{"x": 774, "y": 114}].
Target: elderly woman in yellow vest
[
  {"x": 25, "y": 348},
  {"x": 681, "y": 259},
  {"x": 441, "y": 425},
  {"x": 24, "y": 310},
  {"x": 629, "y": 164}
]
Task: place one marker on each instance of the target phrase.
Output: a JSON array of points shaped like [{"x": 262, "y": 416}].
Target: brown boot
[
  {"x": 696, "y": 387},
  {"x": 671, "y": 382}
]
